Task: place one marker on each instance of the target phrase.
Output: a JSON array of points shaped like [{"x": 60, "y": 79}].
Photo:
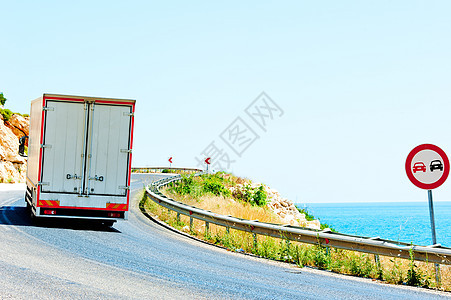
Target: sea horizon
[{"x": 407, "y": 222}]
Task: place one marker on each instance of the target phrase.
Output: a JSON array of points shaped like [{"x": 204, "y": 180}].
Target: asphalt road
[{"x": 138, "y": 259}]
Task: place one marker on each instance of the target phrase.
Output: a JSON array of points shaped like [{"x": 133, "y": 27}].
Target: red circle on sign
[{"x": 409, "y": 172}]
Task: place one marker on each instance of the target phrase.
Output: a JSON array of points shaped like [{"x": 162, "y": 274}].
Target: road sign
[
  {"x": 207, "y": 160},
  {"x": 170, "y": 159},
  {"x": 427, "y": 166}
]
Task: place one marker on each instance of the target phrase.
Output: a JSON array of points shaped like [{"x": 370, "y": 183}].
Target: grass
[
  {"x": 386, "y": 269},
  {"x": 219, "y": 185}
]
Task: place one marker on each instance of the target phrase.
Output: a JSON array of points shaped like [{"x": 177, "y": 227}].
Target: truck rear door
[
  {"x": 63, "y": 144},
  {"x": 86, "y": 148},
  {"x": 109, "y": 148}
]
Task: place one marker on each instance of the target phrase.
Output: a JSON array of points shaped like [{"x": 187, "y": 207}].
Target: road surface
[{"x": 138, "y": 259}]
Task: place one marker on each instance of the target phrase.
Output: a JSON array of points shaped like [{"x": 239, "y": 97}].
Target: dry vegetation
[{"x": 227, "y": 206}]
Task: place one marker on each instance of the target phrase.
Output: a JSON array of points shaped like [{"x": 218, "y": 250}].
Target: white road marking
[
  {"x": 12, "y": 187},
  {"x": 9, "y": 201}
]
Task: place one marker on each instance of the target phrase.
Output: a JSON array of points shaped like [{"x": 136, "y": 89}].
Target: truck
[{"x": 79, "y": 158}]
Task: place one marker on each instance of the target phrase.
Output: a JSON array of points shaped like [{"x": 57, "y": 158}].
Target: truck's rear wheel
[{"x": 28, "y": 209}]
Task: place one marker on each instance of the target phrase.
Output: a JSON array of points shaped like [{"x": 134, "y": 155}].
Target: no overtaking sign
[{"x": 427, "y": 166}]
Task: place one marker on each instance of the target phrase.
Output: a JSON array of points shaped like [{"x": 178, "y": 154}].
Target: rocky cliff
[
  {"x": 282, "y": 207},
  {"x": 12, "y": 165},
  {"x": 287, "y": 211}
]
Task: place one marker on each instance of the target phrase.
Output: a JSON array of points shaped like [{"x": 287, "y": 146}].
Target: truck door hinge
[
  {"x": 126, "y": 151},
  {"x": 46, "y": 146},
  {"x": 45, "y": 108},
  {"x": 43, "y": 183},
  {"x": 124, "y": 187},
  {"x": 127, "y": 114}
]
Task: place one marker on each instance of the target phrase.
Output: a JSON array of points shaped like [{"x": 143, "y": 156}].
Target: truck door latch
[{"x": 97, "y": 178}]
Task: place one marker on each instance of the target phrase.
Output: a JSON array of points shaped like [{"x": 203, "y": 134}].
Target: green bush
[
  {"x": 321, "y": 257},
  {"x": 260, "y": 196},
  {"x": 197, "y": 187},
  {"x": 186, "y": 186},
  {"x": 308, "y": 216},
  {"x": 244, "y": 194},
  {"x": 215, "y": 186},
  {"x": 2, "y": 99},
  {"x": 254, "y": 196},
  {"x": 6, "y": 113},
  {"x": 414, "y": 275}
]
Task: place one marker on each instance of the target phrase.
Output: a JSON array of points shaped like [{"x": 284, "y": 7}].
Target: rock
[
  {"x": 19, "y": 125},
  {"x": 9, "y": 143},
  {"x": 12, "y": 165},
  {"x": 287, "y": 211},
  {"x": 282, "y": 207},
  {"x": 12, "y": 173},
  {"x": 315, "y": 224}
]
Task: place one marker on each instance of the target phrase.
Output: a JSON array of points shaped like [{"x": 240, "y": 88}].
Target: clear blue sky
[{"x": 360, "y": 82}]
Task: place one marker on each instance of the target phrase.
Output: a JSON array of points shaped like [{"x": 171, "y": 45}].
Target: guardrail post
[
  {"x": 207, "y": 228},
  {"x": 255, "y": 240},
  {"x": 228, "y": 230},
  {"x": 378, "y": 265},
  {"x": 191, "y": 224},
  {"x": 438, "y": 277},
  {"x": 178, "y": 217}
]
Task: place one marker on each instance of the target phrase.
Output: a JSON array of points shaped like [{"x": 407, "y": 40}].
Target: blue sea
[{"x": 407, "y": 222}]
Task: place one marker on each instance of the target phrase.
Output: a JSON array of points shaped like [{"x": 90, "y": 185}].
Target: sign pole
[
  {"x": 431, "y": 213},
  {"x": 434, "y": 237}
]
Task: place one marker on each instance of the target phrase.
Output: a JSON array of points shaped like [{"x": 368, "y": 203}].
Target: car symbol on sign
[
  {"x": 436, "y": 165},
  {"x": 419, "y": 166}
]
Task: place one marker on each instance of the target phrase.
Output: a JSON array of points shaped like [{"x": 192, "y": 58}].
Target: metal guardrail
[
  {"x": 148, "y": 169},
  {"x": 374, "y": 245}
]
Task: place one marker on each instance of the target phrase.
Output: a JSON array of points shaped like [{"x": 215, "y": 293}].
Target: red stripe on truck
[
  {"x": 116, "y": 206},
  {"x": 48, "y": 203}
]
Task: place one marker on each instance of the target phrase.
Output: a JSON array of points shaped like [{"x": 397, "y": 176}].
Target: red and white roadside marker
[{"x": 208, "y": 162}]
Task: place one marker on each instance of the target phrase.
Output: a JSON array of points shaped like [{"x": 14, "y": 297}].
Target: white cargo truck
[{"x": 79, "y": 157}]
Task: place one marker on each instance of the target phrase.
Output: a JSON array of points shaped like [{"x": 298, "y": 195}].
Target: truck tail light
[
  {"x": 49, "y": 212},
  {"x": 114, "y": 215}
]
